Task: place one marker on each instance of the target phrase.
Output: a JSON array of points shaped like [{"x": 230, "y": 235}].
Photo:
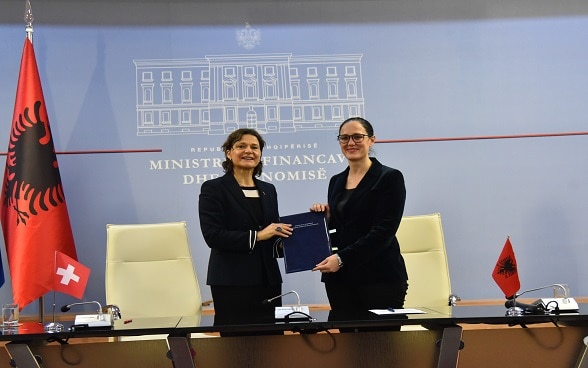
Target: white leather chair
[
  {"x": 423, "y": 247},
  {"x": 149, "y": 271}
]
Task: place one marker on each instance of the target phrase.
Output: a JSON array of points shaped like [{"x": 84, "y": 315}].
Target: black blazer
[
  {"x": 228, "y": 225},
  {"x": 366, "y": 228}
]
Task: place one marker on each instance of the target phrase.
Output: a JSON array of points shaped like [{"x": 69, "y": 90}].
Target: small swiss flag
[{"x": 70, "y": 276}]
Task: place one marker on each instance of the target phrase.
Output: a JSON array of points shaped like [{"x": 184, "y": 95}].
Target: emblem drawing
[{"x": 248, "y": 37}]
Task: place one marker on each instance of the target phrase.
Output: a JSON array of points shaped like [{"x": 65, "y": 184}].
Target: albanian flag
[
  {"x": 506, "y": 272},
  {"x": 33, "y": 211}
]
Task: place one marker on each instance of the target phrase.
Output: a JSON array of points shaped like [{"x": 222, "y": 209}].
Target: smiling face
[
  {"x": 245, "y": 153},
  {"x": 352, "y": 149}
]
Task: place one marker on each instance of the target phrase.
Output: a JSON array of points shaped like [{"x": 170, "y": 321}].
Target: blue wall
[{"x": 450, "y": 68}]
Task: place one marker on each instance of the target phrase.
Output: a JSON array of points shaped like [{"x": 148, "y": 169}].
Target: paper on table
[{"x": 397, "y": 311}]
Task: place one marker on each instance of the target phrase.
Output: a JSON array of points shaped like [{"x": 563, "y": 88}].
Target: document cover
[{"x": 309, "y": 243}]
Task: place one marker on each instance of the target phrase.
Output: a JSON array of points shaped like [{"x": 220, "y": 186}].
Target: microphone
[
  {"x": 559, "y": 303},
  {"x": 564, "y": 290},
  {"x": 67, "y": 307},
  {"x": 287, "y": 312},
  {"x": 267, "y": 301}
]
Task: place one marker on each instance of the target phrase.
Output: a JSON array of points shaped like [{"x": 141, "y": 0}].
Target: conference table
[{"x": 435, "y": 338}]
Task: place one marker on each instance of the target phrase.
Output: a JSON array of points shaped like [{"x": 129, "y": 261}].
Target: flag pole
[
  {"x": 28, "y": 20},
  {"x": 53, "y": 326}
]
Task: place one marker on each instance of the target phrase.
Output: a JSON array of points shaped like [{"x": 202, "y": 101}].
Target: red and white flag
[
  {"x": 506, "y": 273},
  {"x": 33, "y": 212},
  {"x": 70, "y": 277}
]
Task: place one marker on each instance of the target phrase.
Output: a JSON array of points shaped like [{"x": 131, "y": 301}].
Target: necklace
[{"x": 354, "y": 178}]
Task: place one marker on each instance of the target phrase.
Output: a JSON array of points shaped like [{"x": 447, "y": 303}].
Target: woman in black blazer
[
  {"x": 240, "y": 223},
  {"x": 365, "y": 207}
]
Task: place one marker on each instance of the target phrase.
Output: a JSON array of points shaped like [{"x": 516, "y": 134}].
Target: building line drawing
[{"x": 273, "y": 93}]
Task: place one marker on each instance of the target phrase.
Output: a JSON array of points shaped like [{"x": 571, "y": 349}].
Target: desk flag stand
[{"x": 53, "y": 326}]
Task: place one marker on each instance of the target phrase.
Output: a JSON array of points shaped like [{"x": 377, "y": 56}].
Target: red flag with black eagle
[
  {"x": 506, "y": 273},
  {"x": 34, "y": 216}
]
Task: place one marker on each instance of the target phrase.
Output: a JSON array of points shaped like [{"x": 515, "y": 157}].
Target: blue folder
[{"x": 309, "y": 243}]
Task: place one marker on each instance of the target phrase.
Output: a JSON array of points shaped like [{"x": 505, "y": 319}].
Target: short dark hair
[
  {"x": 369, "y": 129},
  {"x": 236, "y": 136}
]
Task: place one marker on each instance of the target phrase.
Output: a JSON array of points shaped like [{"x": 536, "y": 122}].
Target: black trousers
[
  {"x": 243, "y": 305},
  {"x": 352, "y": 302}
]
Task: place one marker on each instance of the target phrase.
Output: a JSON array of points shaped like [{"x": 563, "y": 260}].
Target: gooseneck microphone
[
  {"x": 67, "y": 307},
  {"x": 293, "y": 312},
  {"x": 562, "y": 287},
  {"x": 556, "y": 305},
  {"x": 267, "y": 301}
]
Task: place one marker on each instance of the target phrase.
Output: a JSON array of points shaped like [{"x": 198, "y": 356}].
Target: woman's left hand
[
  {"x": 275, "y": 229},
  {"x": 329, "y": 264}
]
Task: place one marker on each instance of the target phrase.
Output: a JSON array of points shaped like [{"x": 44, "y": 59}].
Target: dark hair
[
  {"x": 369, "y": 129},
  {"x": 236, "y": 136}
]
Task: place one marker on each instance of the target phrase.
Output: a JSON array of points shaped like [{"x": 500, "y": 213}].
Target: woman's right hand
[{"x": 319, "y": 207}]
